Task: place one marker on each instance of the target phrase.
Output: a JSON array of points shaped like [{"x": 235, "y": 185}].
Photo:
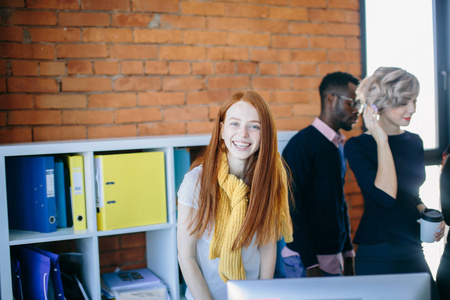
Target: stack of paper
[{"x": 133, "y": 284}]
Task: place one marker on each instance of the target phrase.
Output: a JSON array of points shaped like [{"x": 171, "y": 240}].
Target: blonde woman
[{"x": 388, "y": 163}]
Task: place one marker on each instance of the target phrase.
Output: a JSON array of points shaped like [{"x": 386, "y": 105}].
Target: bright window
[{"x": 400, "y": 34}]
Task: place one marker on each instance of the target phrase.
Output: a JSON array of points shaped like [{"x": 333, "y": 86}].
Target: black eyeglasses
[{"x": 355, "y": 104}]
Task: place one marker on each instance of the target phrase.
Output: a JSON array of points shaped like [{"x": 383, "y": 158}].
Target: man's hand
[{"x": 314, "y": 272}]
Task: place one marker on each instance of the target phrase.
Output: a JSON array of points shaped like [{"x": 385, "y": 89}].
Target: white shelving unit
[{"x": 161, "y": 250}]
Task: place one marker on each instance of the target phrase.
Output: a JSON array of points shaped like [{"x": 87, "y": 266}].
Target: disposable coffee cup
[{"x": 430, "y": 219}]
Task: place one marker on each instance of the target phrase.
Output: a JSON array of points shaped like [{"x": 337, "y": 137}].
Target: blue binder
[
  {"x": 35, "y": 272},
  {"x": 55, "y": 272},
  {"x": 30, "y": 187},
  {"x": 60, "y": 194},
  {"x": 68, "y": 194},
  {"x": 182, "y": 164},
  {"x": 16, "y": 279}
]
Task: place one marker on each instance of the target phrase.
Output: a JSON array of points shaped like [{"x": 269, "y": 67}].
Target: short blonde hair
[{"x": 387, "y": 88}]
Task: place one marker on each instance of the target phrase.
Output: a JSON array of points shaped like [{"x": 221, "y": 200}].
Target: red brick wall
[
  {"x": 78, "y": 69},
  {"x": 126, "y": 252},
  {"x": 83, "y": 69}
]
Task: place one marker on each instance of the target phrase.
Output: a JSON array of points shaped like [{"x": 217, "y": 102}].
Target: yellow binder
[
  {"x": 77, "y": 193},
  {"x": 130, "y": 190}
]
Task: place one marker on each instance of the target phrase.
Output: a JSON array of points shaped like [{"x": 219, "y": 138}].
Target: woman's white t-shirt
[{"x": 188, "y": 196}]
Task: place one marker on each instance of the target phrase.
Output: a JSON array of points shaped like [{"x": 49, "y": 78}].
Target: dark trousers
[
  {"x": 443, "y": 274},
  {"x": 386, "y": 258}
]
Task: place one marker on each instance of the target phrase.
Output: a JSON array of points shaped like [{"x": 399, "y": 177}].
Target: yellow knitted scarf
[{"x": 231, "y": 211}]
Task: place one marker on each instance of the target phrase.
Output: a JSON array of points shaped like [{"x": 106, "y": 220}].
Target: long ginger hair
[{"x": 263, "y": 177}]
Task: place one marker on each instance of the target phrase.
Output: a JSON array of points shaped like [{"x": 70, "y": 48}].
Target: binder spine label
[
  {"x": 99, "y": 182},
  {"x": 77, "y": 181},
  {"x": 50, "y": 181}
]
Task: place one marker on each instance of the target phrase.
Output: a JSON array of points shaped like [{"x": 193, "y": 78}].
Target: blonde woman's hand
[
  {"x": 439, "y": 234},
  {"x": 371, "y": 123},
  {"x": 386, "y": 178}
]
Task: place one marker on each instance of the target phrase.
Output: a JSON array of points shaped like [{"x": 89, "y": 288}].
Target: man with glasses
[{"x": 317, "y": 164}]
